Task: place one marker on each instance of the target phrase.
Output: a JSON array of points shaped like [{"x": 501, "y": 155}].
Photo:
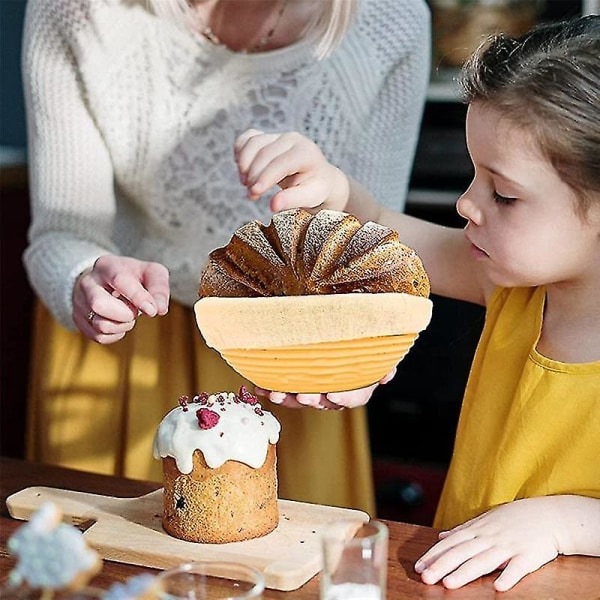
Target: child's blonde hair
[
  {"x": 327, "y": 28},
  {"x": 548, "y": 81}
]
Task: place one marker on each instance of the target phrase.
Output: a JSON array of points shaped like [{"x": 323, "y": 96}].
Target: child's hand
[
  {"x": 296, "y": 164},
  {"x": 518, "y": 537},
  {"x": 331, "y": 401}
]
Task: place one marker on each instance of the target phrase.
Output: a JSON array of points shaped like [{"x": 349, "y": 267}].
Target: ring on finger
[{"x": 90, "y": 317}]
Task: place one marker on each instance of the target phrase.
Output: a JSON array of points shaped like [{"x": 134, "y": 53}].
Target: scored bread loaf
[{"x": 299, "y": 253}]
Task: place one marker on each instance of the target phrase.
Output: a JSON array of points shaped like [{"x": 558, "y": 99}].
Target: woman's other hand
[
  {"x": 330, "y": 401},
  {"x": 108, "y": 298},
  {"x": 293, "y": 162}
]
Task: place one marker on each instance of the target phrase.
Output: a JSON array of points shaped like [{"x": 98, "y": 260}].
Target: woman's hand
[
  {"x": 293, "y": 162},
  {"x": 108, "y": 298},
  {"x": 518, "y": 537},
  {"x": 331, "y": 401}
]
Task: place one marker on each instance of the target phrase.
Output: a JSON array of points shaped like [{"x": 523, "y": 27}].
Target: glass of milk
[{"x": 354, "y": 561}]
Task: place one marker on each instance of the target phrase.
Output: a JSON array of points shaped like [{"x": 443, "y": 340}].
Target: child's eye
[{"x": 503, "y": 199}]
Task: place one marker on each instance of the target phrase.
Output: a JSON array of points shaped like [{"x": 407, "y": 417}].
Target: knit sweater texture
[{"x": 132, "y": 120}]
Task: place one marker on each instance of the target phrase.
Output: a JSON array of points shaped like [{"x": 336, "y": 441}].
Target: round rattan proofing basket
[{"x": 313, "y": 344}]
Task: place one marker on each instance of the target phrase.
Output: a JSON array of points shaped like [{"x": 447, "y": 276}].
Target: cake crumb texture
[{"x": 232, "y": 503}]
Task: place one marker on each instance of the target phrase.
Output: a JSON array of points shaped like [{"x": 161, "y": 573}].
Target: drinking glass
[
  {"x": 354, "y": 568},
  {"x": 211, "y": 580}
]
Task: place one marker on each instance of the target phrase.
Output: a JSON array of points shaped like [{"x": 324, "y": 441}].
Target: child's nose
[{"x": 467, "y": 208}]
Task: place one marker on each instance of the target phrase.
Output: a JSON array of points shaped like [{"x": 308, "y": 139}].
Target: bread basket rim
[{"x": 263, "y": 322}]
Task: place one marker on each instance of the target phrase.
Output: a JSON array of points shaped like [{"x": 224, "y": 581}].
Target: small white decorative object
[{"x": 51, "y": 555}]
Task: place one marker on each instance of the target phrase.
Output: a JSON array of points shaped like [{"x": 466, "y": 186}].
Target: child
[{"x": 524, "y": 482}]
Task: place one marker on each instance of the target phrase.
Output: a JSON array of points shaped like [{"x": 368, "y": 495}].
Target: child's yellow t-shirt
[{"x": 529, "y": 426}]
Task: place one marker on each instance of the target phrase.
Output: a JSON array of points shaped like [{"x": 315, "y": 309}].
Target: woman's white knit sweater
[{"x": 132, "y": 122}]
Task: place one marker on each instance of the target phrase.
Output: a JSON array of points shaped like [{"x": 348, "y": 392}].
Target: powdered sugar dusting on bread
[
  {"x": 223, "y": 426},
  {"x": 253, "y": 236},
  {"x": 298, "y": 253}
]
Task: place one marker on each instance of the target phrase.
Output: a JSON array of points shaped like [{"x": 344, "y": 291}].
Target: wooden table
[{"x": 567, "y": 578}]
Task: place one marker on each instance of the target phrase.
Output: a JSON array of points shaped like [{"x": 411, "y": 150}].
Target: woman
[{"x": 132, "y": 116}]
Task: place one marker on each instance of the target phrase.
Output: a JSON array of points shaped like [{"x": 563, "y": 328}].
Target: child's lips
[{"x": 478, "y": 251}]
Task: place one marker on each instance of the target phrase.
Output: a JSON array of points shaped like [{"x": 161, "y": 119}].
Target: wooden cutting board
[{"x": 129, "y": 530}]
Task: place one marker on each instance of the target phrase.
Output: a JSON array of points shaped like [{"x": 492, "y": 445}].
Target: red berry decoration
[
  {"x": 246, "y": 396},
  {"x": 207, "y": 419}
]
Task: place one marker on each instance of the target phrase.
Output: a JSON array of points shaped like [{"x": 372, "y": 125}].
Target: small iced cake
[{"x": 219, "y": 467}]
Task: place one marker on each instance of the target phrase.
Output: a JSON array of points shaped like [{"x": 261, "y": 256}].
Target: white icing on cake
[{"x": 243, "y": 432}]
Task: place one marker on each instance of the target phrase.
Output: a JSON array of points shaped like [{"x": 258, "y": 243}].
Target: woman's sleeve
[
  {"x": 385, "y": 160},
  {"x": 70, "y": 172}
]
